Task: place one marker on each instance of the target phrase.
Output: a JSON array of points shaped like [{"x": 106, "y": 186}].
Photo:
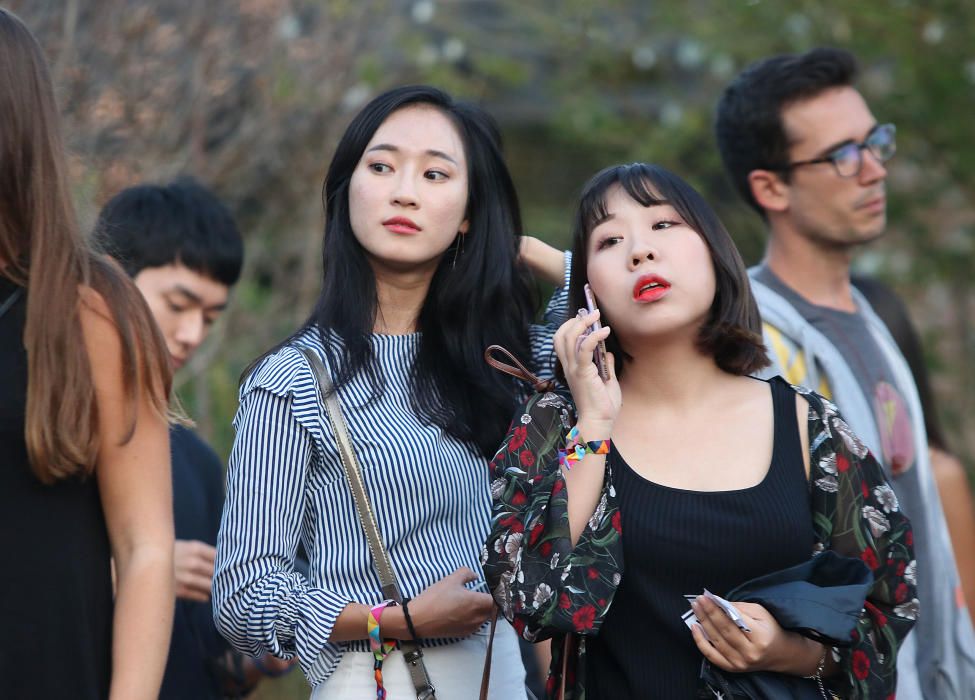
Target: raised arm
[
  {"x": 543, "y": 360},
  {"x": 545, "y": 262},
  {"x": 135, "y": 486},
  {"x": 553, "y": 558}
]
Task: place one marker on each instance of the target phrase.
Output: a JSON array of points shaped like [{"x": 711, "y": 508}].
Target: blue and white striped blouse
[{"x": 429, "y": 491}]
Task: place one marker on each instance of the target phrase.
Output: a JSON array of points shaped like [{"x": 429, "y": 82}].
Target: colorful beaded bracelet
[
  {"x": 380, "y": 647},
  {"x": 576, "y": 449}
]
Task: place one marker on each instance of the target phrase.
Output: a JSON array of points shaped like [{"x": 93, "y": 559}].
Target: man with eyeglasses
[{"x": 804, "y": 150}]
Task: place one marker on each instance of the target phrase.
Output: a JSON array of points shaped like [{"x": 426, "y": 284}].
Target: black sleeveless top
[
  {"x": 55, "y": 588},
  {"x": 678, "y": 542}
]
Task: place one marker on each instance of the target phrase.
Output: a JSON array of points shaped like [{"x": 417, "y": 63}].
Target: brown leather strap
[
  {"x": 566, "y": 650},
  {"x": 516, "y": 369},
  {"x": 412, "y": 653},
  {"x": 486, "y": 674}
]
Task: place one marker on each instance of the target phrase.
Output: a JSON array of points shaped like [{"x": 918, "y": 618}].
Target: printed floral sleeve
[
  {"x": 855, "y": 513},
  {"x": 542, "y": 583}
]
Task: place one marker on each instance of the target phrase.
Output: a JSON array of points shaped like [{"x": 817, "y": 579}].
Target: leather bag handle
[{"x": 515, "y": 368}]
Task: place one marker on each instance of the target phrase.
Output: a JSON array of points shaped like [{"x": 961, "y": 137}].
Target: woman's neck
[
  {"x": 400, "y": 297},
  {"x": 670, "y": 373}
]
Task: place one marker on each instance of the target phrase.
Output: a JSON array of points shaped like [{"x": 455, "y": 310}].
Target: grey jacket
[{"x": 937, "y": 661}]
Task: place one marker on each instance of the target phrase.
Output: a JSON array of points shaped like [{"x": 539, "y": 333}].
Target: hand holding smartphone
[{"x": 599, "y": 355}]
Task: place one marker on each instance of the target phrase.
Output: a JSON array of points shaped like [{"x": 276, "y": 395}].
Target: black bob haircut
[
  {"x": 732, "y": 333},
  {"x": 181, "y": 222},
  {"x": 748, "y": 123},
  {"x": 479, "y": 294}
]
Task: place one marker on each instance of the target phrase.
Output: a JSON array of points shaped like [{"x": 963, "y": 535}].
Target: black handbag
[{"x": 821, "y": 598}]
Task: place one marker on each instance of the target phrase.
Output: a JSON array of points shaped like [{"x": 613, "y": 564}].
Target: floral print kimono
[{"x": 549, "y": 589}]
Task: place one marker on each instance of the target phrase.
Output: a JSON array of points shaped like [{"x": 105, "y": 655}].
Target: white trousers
[{"x": 455, "y": 671}]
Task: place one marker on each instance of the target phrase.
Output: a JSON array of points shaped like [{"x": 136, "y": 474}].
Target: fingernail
[{"x": 581, "y": 313}]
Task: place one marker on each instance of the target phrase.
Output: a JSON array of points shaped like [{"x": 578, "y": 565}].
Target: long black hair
[{"x": 479, "y": 295}]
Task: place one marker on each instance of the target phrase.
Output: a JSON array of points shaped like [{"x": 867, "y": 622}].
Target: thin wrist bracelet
[
  {"x": 818, "y": 676},
  {"x": 409, "y": 620},
  {"x": 576, "y": 449}
]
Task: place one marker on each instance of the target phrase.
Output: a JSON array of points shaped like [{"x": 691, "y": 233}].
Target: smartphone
[{"x": 599, "y": 355}]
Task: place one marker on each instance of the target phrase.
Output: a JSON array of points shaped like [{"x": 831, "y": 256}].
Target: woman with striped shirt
[{"x": 420, "y": 275}]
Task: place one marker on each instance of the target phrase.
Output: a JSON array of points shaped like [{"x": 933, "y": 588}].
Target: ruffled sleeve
[
  {"x": 543, "y": 584},
  {"x": 856, "y": 513},
  {"x": 261, "y": 604}
]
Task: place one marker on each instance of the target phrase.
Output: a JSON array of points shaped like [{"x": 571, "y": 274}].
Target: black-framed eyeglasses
[{"x": 848, "y": 158}]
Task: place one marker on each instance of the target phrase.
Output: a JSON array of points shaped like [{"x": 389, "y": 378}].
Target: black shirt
[
  {"x": 56, "y": 587},
  {"x": 679, "y": 542},
  {"x": 197, "y": 504}
]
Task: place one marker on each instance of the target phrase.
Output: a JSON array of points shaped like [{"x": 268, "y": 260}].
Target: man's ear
[{"x": 769, "y": 190}]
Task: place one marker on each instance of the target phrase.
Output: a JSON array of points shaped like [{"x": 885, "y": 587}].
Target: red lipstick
[
  {"x": 650, "y": 288},
  {"x": 400, "y": 224}
]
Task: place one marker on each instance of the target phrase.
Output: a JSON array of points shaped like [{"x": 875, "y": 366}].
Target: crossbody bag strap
[
  {"x": 486, "y": 673},
  {"x": 353, "y": 475},
  {"x": 412, "y": 653}
]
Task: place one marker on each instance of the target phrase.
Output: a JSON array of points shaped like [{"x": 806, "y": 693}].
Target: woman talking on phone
[
  {"x": 420, "y": 275},
  {"x": 681, "y": 473}
]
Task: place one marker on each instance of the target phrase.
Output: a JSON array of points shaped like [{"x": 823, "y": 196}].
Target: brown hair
[
  {"x": 732, "y": 333},
  {"x": 42, "y": 249}
]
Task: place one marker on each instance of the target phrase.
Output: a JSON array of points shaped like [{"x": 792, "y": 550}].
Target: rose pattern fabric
[{"x": 549, "y": 589}]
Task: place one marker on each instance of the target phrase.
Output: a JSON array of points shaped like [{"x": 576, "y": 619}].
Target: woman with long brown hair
[{"x": 84, "y": 472}]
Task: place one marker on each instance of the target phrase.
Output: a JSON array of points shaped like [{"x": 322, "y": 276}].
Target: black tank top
[
  {"x": 678, "y": 542},
  {"x": 56, "y": 588}
]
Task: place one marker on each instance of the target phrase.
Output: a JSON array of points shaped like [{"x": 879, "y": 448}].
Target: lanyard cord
[{"x": 10, "y": 301}]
